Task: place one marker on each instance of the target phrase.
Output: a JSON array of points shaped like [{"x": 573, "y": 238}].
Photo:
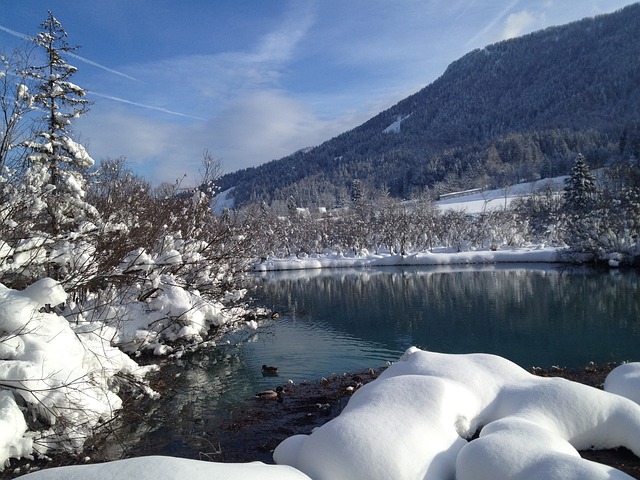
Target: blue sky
[{"x": 255, "y": 80}]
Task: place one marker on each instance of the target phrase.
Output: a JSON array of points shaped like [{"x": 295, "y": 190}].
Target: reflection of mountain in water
[{"x": 534, "y": 316}]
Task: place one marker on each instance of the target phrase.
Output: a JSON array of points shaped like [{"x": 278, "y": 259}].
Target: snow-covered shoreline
[
  {"x": 417, "y": 421},
  {"x": 533, "y": 254}
]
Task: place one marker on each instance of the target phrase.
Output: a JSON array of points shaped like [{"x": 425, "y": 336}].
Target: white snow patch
[
  {"x": 167, "y": 468},
  {"x": 395, "y": 126},
  {"x": 415, "y": 422},
  {"x": 223, "y": 200},
  {"x": 499, "y": 198},
  {"x": 625, "y": 380}
]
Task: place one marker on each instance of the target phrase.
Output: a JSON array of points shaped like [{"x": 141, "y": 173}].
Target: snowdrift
[
  {"x": 436, "y": 416},
  {"x": 416, "y": 421},
  {"x": 167, "y": 468}
]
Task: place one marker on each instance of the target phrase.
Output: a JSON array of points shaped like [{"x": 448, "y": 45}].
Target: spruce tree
[
  {"x": 580, "y": 188},
  {"x": 57, "y": 163}
]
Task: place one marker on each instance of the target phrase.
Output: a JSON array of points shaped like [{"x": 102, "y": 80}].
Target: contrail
[
  {"x": 142, "y": 105},
  {"x": 78, "y": 57},
  {"x": 111, "y": 70},
  {"x": 15, "y": 34},
  {"x": 492, "y": 23}
]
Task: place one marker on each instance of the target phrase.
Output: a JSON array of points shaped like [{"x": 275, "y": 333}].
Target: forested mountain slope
[{"x": 514, "y": 111}]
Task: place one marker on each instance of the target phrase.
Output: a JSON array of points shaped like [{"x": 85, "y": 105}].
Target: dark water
[
  {"x": 534, "y": 316},
  {"x": 349, "y": 320}
]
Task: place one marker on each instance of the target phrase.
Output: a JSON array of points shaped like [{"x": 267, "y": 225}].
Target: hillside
[{"x": 517, "y": 110}]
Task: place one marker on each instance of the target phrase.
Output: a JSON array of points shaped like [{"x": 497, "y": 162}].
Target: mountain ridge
[{"x": 519, "y": 109}]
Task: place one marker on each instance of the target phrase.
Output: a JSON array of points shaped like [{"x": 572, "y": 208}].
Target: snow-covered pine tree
[
  {"x": 57, "y": 163},
  {"x": 580, "y": 188},
  {"x": 356, "y": 191}
]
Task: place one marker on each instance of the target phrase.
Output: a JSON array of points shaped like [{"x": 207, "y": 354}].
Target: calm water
[
  {"x": 346, "y": 320},
  {"x": 534, "y": 316}
]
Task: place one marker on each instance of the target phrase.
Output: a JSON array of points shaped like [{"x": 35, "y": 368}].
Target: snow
[
  {"x": 167, "y": 468},
  {"x": 223, "y": 200},
  {"x": 419, "y": 420},
  {"x": 533, "y": 254},
  {"x": 63, "y": 374},
  {"x": 416, "y": 419},
  {"x": 395, "y": 126},
  {"x": 13, "y": 427},
  {"x": 625, "y": 380},
  {"x": 498, "y": 198}
]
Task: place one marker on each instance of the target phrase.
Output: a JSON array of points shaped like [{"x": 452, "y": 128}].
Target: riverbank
[
  {"x": 436, "y": 257},
  {"x": 256, "y": 427},
  {"x": 259, "y": 427}
]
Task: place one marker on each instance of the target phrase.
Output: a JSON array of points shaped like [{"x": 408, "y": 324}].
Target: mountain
[{"x": 517, "y": 110}]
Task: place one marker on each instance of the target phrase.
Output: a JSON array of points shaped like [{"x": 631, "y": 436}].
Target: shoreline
[{"x": 257, "y": 426}]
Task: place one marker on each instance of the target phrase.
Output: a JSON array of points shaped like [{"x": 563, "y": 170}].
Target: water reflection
[
  {"x": 332, "y": 321},
  {"x": 541, "y": 316}
]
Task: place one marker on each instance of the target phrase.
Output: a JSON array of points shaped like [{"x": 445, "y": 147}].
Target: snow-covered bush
[
  {"x": 155, "y": 298},
  {"x": 58, "y": 380},
  {"x": 92, "y": 265}
]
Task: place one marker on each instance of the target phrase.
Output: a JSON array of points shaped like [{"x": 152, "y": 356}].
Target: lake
[
  {"x": 333, "y": 321},
  {"x": 534, "y": 315}
]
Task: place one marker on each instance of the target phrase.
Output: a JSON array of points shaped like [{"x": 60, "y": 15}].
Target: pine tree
[
  {"x": 580, "y": 188},
  {"x": 356, "y": 191},
  {"x": 56, "y": 162}
]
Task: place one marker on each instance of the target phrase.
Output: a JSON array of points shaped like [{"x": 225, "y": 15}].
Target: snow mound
[
  {"x": 624, "y": 380},
  {"x": 13, "y": 427},
  {"x": 416, "y": 421},
  {"x": 56, "y": 380},
  {"x": 167, "y": 468}
]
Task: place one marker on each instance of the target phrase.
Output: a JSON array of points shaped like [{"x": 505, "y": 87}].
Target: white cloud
[{"x": 516, "y": 24}]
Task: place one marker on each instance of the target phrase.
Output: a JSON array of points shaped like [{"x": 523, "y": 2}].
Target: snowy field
[{"x": 500, "y": 198}]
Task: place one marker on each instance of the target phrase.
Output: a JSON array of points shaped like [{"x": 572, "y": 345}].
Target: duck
[
  {"x": 268, "y": 370},
  {"x": 270, "y": 394}
]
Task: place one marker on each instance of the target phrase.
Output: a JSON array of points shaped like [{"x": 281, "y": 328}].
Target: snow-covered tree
[
  {"x": 56, "y": 162},
  {"x": 580, "y": 187},
  {"x": 357, "y": 193}
]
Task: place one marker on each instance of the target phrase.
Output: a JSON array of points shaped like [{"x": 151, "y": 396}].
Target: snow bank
[
  {"x": 414, "y": 422},
  {"x": 56, "y": 378},
  {"x": 625, "y": 380},
  {"x": 13, "y": 442},
  {"x": 420, "y": 420},
  {"x": 537, "y": 254},
  {"x": 167, "y": 468}
]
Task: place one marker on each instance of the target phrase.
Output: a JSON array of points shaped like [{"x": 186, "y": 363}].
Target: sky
[{"x": 251, "y": 81}]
